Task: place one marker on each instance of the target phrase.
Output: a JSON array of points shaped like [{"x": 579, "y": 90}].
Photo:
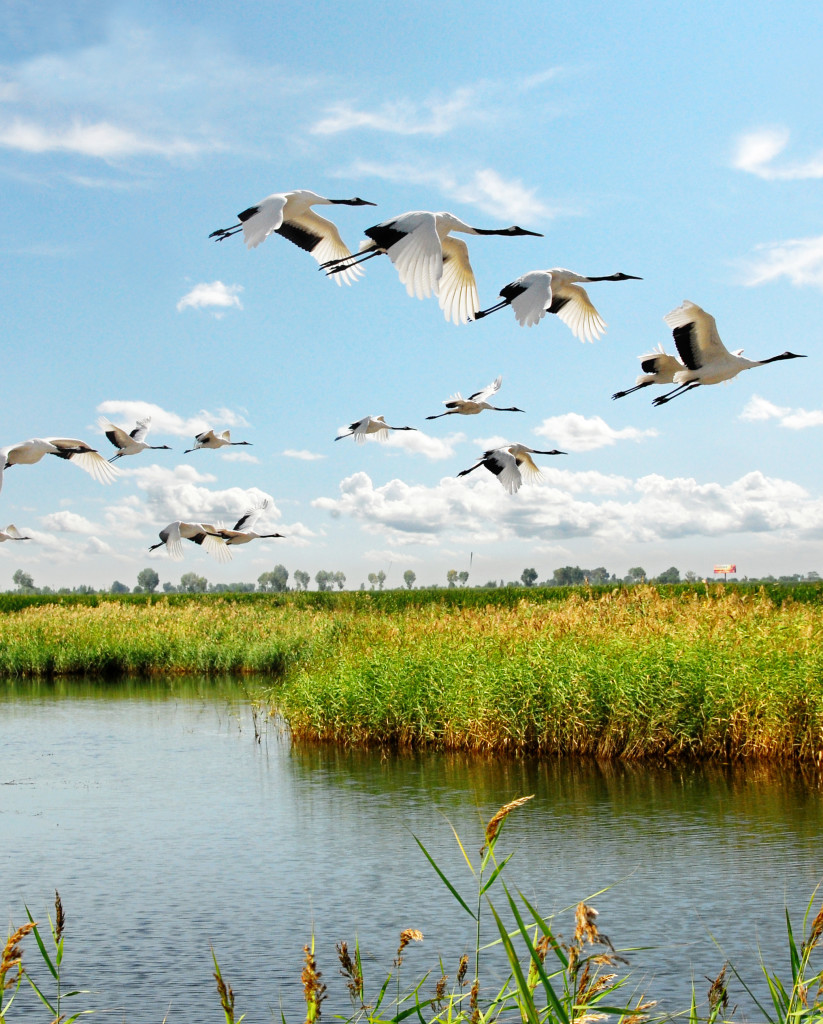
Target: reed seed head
[
  {"x": 815, "y": 933},
  {"x": 463, "y": 966},
  {"x": 314, "y": 991},
  {"x": 440, "y": 990},
  {"x": 226, "y": 997},
  {"x": 59, "y": 916},
  {"x": 494, "y": 824},
  {"x": 406, "y": 936},
  {"x": 349, "y": 969},
  {"x": 13, "y": 955},
  {"x": 585, "y": 926}
]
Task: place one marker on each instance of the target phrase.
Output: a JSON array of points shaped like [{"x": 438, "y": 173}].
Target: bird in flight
[
  {"x": 370, "y": 425},
  {"x": 510, "y": 464},
  {"x": 474, "y": 404},
  {"x": 204, "y": 534},
  {"x": 208, "y": 439},
  {"x": 128, "y": 443},
  {"x": 658, "y": 368},
  {"x": 243, "y": 530}
]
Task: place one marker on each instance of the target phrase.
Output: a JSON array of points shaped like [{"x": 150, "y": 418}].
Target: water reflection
[{"x": 166, "y": 827}]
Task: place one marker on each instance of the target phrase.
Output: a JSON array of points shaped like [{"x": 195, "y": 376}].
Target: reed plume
[
  {"x": 314, "y": 991},
  {"x": 406, "y": 936}
]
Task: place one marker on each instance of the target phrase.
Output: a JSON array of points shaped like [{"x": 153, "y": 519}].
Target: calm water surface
[{"x": 167, "y": 827}]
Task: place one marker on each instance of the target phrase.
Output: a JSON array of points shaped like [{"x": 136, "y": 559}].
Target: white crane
[
  {"x": 476, "y": 403},
  {"x": 370, "y": 425},
  {"x": 128, "y": 443},
  {"x": 208, "y": 439},
  {"x": 198, "y": 533},
  {"x": 11, "y": 533},
  {"x": 509, "y": 463},
  {"x": 243, "y": 530},
  {"x": 26, "y": 453},
  {"x": 428, "y": 260},
  {"x": 290, "y": 214},
  {"x": 706, "y": 358},
  {"x": 658, "y": 368},
  {"x": 555, "y": 291}
]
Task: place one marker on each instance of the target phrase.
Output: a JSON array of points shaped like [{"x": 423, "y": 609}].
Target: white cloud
[
  {"x": 758, "y": 408},
  {"x": 581, "y": 434},
  {"x": 611, "y": 510},
  {"x": 755, "y": 152},
  {"x": 302, "y": 454},
  {"x": 238, "y": 455},
  {"x": 484, "y": 188},
  {"x": 434, "y": 116},
  {"x": 798, "y": 259},
  {"x": 68, "y": 522},
  {"x": 414, "y": 442},
  {"x": 212, "y": 296},
  {"x": 101, "y": 139},
  {"x": 164, "y": 422}
]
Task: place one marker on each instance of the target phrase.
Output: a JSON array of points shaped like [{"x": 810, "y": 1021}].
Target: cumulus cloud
[
  {"x": 302, "y": 454},
  {"x": 798, "y": 259},
  {"x": 652, "y": 508},
  {"x": 755, "y": 152},
  {"x": 758, "y": 408},
  {"x": 414, "y": 442},
  {"x": 215, "y": 295},
  {"x": 68, "y": 522},
  {"x": 585, "y": 434},
  {"x": 165, "y": 422}
]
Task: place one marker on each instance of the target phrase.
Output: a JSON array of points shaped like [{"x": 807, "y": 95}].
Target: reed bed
[{"x": 644, "y": 672}]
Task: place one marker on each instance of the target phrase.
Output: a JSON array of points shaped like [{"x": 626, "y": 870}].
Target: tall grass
[
  {"x": 526, "y": 973},
  {"x": 668, "y": 672}
]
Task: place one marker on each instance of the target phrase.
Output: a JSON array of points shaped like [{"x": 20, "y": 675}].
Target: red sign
[{"x": 725, "y": 568}]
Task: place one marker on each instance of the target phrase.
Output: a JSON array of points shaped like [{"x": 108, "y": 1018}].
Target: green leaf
[
  {"x": 556, "y": 947},
  {"x": 445, "y": 880},
  {"x": 41, "y": 947},
  {"x": 526, "y": 1002},
  {"x": 551, "y": 995},
  {"x": 495, "y": 873},
  {"x": 31, "y": 982}
]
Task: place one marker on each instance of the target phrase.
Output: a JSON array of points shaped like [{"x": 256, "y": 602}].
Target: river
[{"x": 171, "y": 821}]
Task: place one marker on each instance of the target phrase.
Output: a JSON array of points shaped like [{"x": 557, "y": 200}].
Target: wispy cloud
[
  {"x": 302, "y": 454},
  {"x": 755, "y": 152},
  {"x": 101, "y": 139},
  {"x": 435, "y": 116},
  {"x": 758, "y": 408},
  {"x": 798, "y": 259},
  {"x": 165, "y": 422},
  {"x": 585, "y": 434},
  {"x": 484, "y": 188},
  {"x": 215, "y": 295},
  {"x": 413, "y": 442}
]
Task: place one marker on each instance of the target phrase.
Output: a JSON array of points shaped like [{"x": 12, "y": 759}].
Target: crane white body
[
  {"x": 510, "y": 464},
  {"x": 556, "y": 291},
  {"x": 427, "y": 259},
  {"x": 474, "y": 404},
  {"x": 11, "y": 533},
  {"x": 370, "y": 426},
  {"x": 81, "y": 454},
  {"x": 129, "y": 443},
  {"x": 290, "y": 214},
  {"x": 243, "y": 530},
  {"x": 208, "y": 439},
  {"x": 204, "y": 534},
  {"x": 658, "y": 368},
  {"x": 706, "y": 359}
]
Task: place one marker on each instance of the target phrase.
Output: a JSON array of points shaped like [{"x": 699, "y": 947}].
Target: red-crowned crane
[
  {"x": 533, "y": 295},
  {"x": 131, "y": 443},
  {"x": 476, "y": 403},
  {"x": 290, "y": 214},
  {"x": 428, "y": 260},
  {"x": 370, "y": 425},
  {"x": 706, "y": 358},
  {"x": 208, "y": 439},
  {"x": 204, "y": 534},
  {"x": 509, "y": 464},
  {"x": 658, "y": 368},
  {"x": 11, "y": 533},
  {"x": 243, "y": 530},
  {"x": 26, "y": 453}
]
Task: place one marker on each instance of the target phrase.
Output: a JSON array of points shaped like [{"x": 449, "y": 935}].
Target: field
[{"x": 694, "y": 671}]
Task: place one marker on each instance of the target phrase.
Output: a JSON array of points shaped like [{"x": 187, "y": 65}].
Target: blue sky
[{"x": 684, "y": 147}]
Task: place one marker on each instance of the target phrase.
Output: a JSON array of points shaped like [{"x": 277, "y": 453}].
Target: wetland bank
[{"x": 144, "y": 781}]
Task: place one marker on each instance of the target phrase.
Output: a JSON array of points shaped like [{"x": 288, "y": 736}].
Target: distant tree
[
  {"x": 148, "y": 580},
  {"x": 191, "y": 583},
  {"x": 408, "y": 578},
  {"x": 301, "y": 579},
  {"x": 118, "y": 588},
  {"x": 670, "y": 575},
  {"x": 528, "y": 577},
  {"x": 636, "y": 575},
  {"x": 813, "y": 577},
  {"x": 691, "y": 576},
  {"x": 23, "y": 580},
  {"x": 169, "y": 588},
  {"x": 276, "y": 580},
  {"x": 231, "y": 588},
  {"x": 340, "y": 579},
  {"x": 492, "y": 584},
  {"x": 324, "y": 579},
  {"x": 451, "y": 577},
  {"x": 599, "y": 575},
  {"x": 372, "y": 578},
  {"x": 569, "y": 576},
  {"x": 463, "y": 577},
  {"x": 84, "y": 588},
  {"x": 380, "y": 576}
]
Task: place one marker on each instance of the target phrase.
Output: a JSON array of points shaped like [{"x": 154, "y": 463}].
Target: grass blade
[{"x": 445, "y": 880}]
